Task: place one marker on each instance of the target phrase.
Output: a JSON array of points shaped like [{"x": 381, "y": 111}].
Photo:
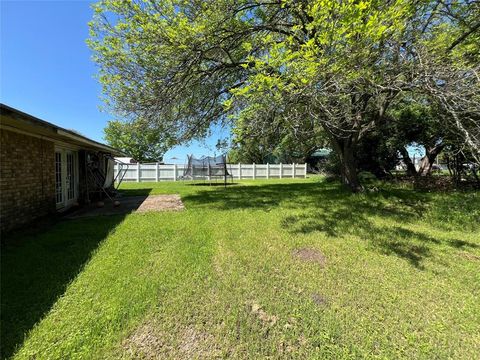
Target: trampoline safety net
[{"x": 206, "y": 168}]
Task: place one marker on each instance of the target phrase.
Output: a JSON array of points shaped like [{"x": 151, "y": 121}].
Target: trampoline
[{"x": 207, "y": 168}]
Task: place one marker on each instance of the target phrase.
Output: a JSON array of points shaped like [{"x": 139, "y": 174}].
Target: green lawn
[{"x": 389, "y": 274}]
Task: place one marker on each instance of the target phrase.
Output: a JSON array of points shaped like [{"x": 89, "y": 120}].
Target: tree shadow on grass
[
  {"x": 135, "y": 192},
  {"x": 262, "y": 196},
  {"x": 357, "y": 218},
  {"x": 333, "y": 210},
  {"x": 212, "y": 184},
  {"x": 398, "y": 204},
  {"x": 36, "y": 269}
]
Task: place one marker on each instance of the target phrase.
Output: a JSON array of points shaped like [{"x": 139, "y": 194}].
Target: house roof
[{"x": 18, "y": 120}]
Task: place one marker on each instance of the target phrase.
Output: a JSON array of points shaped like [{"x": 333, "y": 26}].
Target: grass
[{"x": 401, "y": 277}]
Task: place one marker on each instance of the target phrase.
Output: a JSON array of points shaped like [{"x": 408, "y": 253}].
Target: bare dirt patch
[
  {"x": 319, "y": 299},
  {"x": 161, "y": 203},
  {"x": 469, "y": 256},
  {"x": 129, "y": 204},
  {"x": 310, "y": 255},
  {"x": 197, "y": 344},
  {"x": 145, "y": 342},
  {"x": 290, "y": 347},
  {"x": 256, "y": 310}
]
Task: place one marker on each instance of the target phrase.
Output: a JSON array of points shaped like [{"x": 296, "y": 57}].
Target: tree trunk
[
  {"x": 475, "y": 173},
  {"x": 429, "y": 159},
  {"x": 411, "y": 171},
  {"x": 348, "y": 164}
]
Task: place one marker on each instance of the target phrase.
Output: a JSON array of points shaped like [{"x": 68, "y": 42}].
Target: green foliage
[
  {"x": 275, "y": 143},
  {"x": 137, "y": 139},
  {"x": 322, "y": 67},
  {"x": 414, "y": 122}
]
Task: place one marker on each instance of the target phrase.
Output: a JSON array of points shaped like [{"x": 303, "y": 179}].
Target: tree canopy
[{"x": 323, "y": 67}]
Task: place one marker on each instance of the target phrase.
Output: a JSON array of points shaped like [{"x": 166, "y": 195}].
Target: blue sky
[{"x": 46, "y": 69}]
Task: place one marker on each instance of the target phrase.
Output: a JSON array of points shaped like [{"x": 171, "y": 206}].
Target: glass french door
[
  {"x": 58, "y": 179},
  {"x": 66, "y": 177},
  {"x": 70, "y": 179}
]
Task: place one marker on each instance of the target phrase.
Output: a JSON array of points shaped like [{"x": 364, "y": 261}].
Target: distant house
[{"x": 45, "y": 168}]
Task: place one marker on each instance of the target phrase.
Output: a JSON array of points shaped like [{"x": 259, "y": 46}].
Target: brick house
[{"x": 46, "y": 169}]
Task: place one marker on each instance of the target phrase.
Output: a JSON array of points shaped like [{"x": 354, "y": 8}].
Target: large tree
[{"x": 185, "y": 64}]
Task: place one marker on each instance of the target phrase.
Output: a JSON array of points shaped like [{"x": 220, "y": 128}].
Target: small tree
[{"x": 138, "y": 139}]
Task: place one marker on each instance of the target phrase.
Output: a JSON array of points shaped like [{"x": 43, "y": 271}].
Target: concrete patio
[{"x": 130, "y": 204}]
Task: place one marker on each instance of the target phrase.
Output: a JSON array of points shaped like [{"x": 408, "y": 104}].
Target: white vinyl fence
[{"x": 157, "y": 172}]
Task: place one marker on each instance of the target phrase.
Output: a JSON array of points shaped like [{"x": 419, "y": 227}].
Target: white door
[{"x": 66, "y": 178}]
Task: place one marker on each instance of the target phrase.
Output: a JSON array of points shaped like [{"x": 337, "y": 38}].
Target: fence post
[
  {"x": 138, "y": 172},
  {"x": 281, "y": 170},
  {"x": 305, "y": 173},
  {"x": 174, "y": 172},
  {"x": 268, "y": 171},
  {"x": 293, "y": 171},
  {"x": 156, "y": 172},
  {"x": 239, "y": 171},
  {"x": 254, "y": 171}
]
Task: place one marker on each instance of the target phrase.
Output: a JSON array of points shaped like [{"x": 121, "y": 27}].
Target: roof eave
[{"x": 59, "y": 132}]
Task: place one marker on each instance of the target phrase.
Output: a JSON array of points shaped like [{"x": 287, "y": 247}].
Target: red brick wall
[{"x": 27, "y": 178}]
